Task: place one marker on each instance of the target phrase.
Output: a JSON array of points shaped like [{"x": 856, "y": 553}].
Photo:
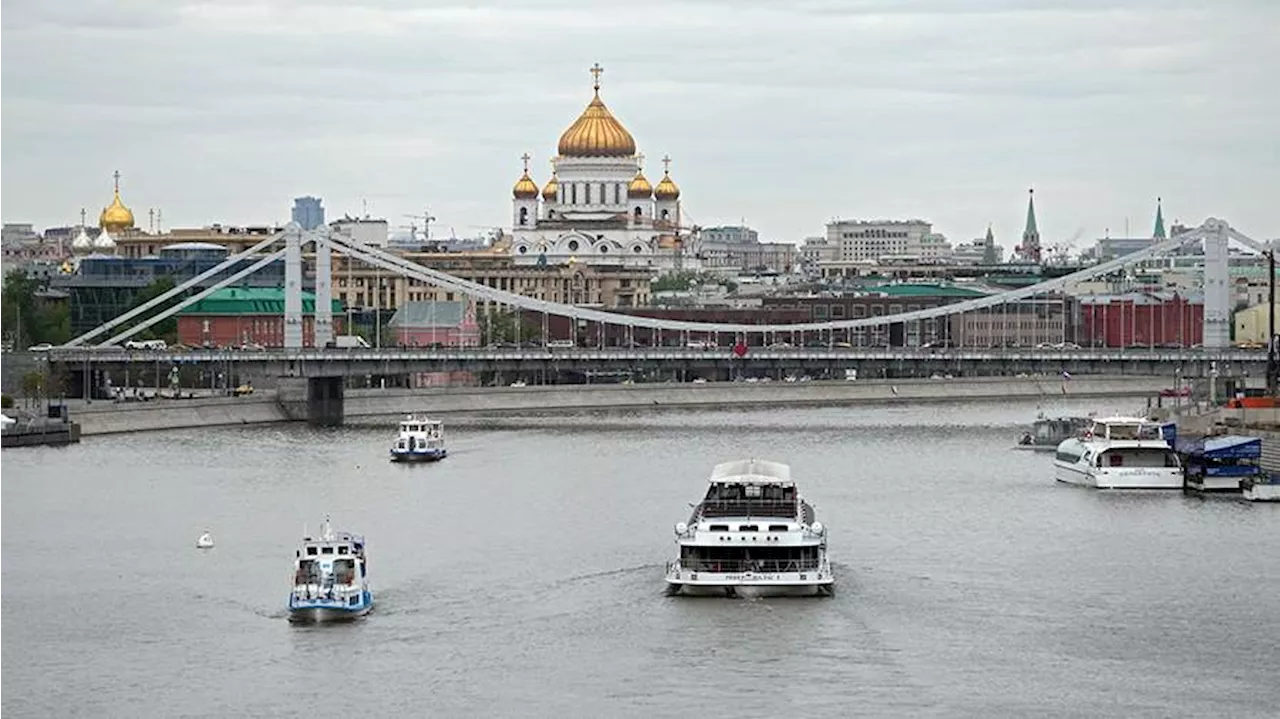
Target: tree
[
  {"x": 166, "y": 329},
  {"x": 26, "y": 317},
  {"x": 500, "y": 326},
  {"x": 32, "y": 385}
]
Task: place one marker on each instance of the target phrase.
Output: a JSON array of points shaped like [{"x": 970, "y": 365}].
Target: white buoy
[{"x": 205, "y": 541}]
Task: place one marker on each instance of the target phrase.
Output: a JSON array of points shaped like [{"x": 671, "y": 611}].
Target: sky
[{"x": 782, "y": 114}]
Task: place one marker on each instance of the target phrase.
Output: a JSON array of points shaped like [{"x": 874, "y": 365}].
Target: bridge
[{"x": 647, "y": 351}]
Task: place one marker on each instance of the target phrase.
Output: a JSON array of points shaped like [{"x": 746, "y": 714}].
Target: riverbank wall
[{"x": 372, "y": 404}]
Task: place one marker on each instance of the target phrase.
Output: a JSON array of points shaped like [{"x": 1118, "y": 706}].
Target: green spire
[
  {"x": 1031, "y": 215},
  {"x": 1159, "y": 231}
]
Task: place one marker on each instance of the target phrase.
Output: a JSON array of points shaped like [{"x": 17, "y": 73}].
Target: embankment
[{"x": 369, "y": 405}]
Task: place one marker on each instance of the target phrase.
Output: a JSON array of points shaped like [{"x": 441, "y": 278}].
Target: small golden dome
[
  {"x": 551, "y": 192},
  {"x": 597, "y": 133},
  {"x": 640, "y": 187},
  {"x": 526, "y": 188},
  {"x": 666, "y": 189},
  {"x": 116, "y": 217}
]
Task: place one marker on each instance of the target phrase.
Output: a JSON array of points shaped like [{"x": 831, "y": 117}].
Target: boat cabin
[
  {"x": 1130, "y": 429},
  {"x": 421, "y": 426},
  {"x": 750, "y": 488},
  {"x": 336, "y": 558}
]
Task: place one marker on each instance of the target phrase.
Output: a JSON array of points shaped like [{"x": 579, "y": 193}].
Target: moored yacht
[
  {"x": 751, "y": 534},
  {"x": 421, "y": 440},
  {"x": 1119, "y": 453},
  {"x": 330, "y": 578}
]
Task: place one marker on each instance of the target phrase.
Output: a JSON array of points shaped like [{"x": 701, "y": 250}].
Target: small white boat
[
  {"x": 205, "y": 541},
  {"x": 752, "y": 534},
  {"x": 421, "y": 440},
  {"x": 1261, "y": 488},
  {"x": 330, "y": 578},
  {"x": 1119, "y": 453}
]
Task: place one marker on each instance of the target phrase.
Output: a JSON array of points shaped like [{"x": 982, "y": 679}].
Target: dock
[{"x": 54, "y": 429}]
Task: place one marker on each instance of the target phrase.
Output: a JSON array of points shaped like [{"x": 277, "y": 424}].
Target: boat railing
[
  {"x": 747, "y": 508},
  {"x": 764, "y": 566}
]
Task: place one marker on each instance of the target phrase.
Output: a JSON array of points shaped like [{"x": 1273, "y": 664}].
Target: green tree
[
  {"x": 26, "y": 318},
  {"x": 500, "y": 326},
  {"x": 166, "y": 329},
  {"x": 32, "y": 385}
]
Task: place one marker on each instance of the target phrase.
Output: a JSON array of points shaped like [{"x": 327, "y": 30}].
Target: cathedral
[{"x": 598, "y": 208}]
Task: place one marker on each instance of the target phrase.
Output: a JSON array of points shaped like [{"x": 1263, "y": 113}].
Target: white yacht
[
  {"x": 421, "y": 440},
  {"x": 1119, "y": 453},
  {"x": 330, "y": 578},
  {"x": 752, "y": 534}
]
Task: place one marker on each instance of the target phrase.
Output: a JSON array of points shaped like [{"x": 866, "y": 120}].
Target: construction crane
[{"x": 427, "y": 219}]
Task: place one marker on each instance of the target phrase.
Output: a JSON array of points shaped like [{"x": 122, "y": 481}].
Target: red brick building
[
  {"x": 1141, "y": 319},
  {"x": 238, "y": 316},
  {"x": 436, "y": 324}
]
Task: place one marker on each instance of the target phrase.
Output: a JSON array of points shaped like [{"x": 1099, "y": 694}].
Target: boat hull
[
  {"x": 425, "y": 455},
  {"x": 1213, "y": 484},
  {"x": 314, "y": 611},
  {"x": 1261, "y": 492},
  {"x": 1155, "y": 478},
  {"x": 710, "y": 584}
]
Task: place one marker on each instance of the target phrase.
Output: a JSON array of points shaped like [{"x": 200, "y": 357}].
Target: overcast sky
[{"x": 784, "y": 114}]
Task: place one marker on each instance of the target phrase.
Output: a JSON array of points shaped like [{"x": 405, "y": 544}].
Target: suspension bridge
[{"x": 652, "y": 345}]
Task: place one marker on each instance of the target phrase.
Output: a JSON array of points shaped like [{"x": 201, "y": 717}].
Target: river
[{"x": 522, "y": 576}]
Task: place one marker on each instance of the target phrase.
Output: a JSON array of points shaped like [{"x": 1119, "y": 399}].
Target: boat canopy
[
  {"x": 1223, "y": 447},
  {"x": 751, "y": 471}
]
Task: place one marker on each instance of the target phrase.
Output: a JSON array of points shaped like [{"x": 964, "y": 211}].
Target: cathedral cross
[
  {"x": 640, "y": 160},
  {"x": 526, "y": 157},
  {"x": 83, "y": 217},
  {"x": 666, "y": 164},
  {"x": 117, "y": 177},
  {"x": 596, "y": 70}
]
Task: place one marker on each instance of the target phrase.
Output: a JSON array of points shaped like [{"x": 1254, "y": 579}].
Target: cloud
[{"x": 785, "y": 113}]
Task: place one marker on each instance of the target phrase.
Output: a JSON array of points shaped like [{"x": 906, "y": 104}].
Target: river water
[{"x": 523, "y": 576}]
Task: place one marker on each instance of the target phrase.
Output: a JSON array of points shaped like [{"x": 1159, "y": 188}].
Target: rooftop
[
  {"x": 912, "y": 289},
  {"x": 251, "y": 301},
  {"x": 751, "y": 471}
]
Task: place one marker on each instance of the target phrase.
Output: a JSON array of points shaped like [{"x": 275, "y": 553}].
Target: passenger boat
[
  {"x": 421, "y": 440},
  {"x": 330, "y": 578},
  {"x": 1047, "y": 433},
  {"x": 1119, "y": 453},
  {"x": 752, "y": 534},
  {"x": 1263, "y": 487}
]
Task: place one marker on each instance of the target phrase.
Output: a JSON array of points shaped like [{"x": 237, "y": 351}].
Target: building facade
[
  {"x": 1141, "y": 319},
  {"x": 436, "y": 324},
  {"x": 246, "y": 317},
  {"x": 875, "y": 240}
]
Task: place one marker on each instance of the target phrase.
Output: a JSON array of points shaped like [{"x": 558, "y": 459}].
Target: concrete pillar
[
  {"x": 1217, "y": 290},
  {"x": 293, "y": 286},
  {"x": 324, "y": 290},
  {"x": 316, "y": 400}
]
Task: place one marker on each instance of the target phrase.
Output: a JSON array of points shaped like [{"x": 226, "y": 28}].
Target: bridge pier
[{"x": 317, "y": 400}]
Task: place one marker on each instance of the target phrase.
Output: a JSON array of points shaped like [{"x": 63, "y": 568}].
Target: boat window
[
  {"x": 342, "y": 549},
  {"x": 752, "y": 491},
  {"x": 311, "y": 551},
  {"x": 719, "y": 527},
  {"x": 777, "y": 527},
  {"x": 326, "y": 550},
  {"x": 748, "y": 528}
]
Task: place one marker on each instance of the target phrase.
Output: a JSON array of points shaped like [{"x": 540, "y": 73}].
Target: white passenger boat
[
  {"x": 421, "y": 440},
  {"x": 1119, "y": 453},
  {"x": 330, "y": 578},
  {"x": 1261, "y": 488},
  {"x": 752, "y": 534}
]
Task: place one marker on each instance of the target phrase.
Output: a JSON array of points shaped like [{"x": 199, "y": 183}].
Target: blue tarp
[{"x": 1218, "y": 448}]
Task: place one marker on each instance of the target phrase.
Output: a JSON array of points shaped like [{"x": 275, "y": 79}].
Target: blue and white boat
[
  {"x": 330, "y": 578},
  {"x": 421, "y": 440}
]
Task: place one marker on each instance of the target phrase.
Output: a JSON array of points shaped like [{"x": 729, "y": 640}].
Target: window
[
  {"x": 524, "y": 215},
  {"x": 637, "y": 213}
]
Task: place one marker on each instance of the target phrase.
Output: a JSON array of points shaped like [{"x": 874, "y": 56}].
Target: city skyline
[{"x": 785, "y": 118}]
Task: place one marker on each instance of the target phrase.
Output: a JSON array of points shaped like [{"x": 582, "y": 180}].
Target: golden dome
[
  {"x": 116, "y": 217},
  {"x": 640, "y": 187},
  {"x": 526, "y": 188},
  {"x": 551, "y": 192},
  {"x": 666, "y": 189},
  {"x": 597, "y": 133}
]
